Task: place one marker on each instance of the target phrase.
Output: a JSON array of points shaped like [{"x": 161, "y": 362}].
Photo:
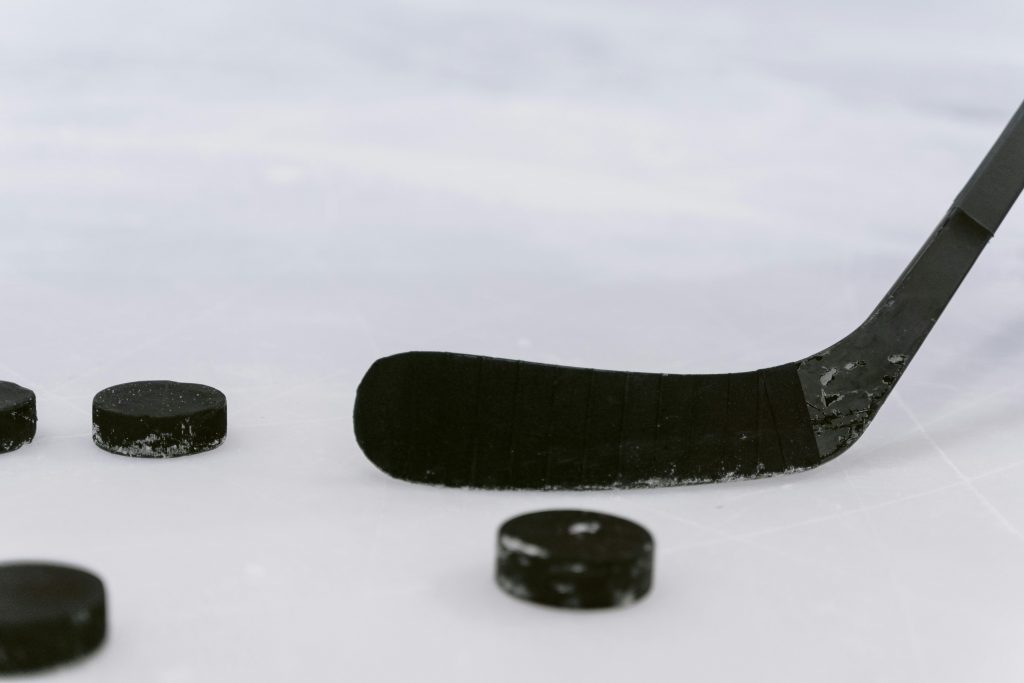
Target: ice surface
[{"x": 267, "y": 196}]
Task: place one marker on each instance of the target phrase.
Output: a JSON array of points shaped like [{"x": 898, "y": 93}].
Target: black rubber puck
[
  {"x": 17, "y": 416},
  {"x": 159, "y": 419},
  {"x": 574, "y": 558},
  {"x": 49, "y": 614}
]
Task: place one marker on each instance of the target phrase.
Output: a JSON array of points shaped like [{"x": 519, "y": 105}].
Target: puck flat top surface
[
  {"x": 159, "y": 399},
  {"x": 575, "y": 558},
  {"x": 49, "y": 614},
  {"x": 13, "y": 396},
  {"x": 159, "y": 419}
]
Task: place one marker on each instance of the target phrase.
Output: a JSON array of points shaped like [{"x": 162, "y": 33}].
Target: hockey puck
[
  {"x": 159, "y": 419},
  {"x": 49, "y": 615},
  {"x": 17, "y": 416},
  {"x": 574, "y": 558}
]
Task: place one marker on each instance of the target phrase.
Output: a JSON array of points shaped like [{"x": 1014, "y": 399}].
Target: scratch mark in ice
[
  {"x": 881, "y": 551},
  {"x": 964, "y": 479}
]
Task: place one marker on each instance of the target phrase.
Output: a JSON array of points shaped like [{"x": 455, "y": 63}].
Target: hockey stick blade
[{"x": 461, "y": 420}]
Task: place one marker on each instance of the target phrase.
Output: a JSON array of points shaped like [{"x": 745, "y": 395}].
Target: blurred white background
[{"x": 267, "y": 196}]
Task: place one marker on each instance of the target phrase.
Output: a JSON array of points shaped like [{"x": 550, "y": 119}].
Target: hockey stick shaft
[
  {"x": 999, "y": 180},
  {"x": 847, "y": 383}
]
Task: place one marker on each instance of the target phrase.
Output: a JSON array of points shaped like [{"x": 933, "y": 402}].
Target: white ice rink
[{"x": 267, "y": 196}]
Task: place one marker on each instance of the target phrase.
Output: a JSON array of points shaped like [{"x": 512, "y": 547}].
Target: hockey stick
[{"x": 459, "y": 420}]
